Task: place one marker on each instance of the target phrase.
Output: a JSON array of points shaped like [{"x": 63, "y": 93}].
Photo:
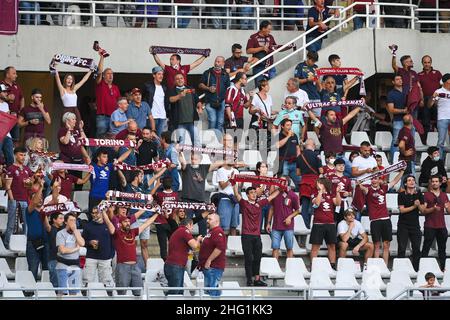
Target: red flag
[
  {"x": 414, "y": 98},
  {"x": 7, "y": 122},
  {"x": 9, "y": 16}
]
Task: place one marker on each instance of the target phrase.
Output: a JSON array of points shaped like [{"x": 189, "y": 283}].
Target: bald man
[{"x": 212, "y": 254}]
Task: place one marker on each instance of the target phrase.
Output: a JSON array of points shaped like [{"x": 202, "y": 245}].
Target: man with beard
[
  {"x": 147, "y": 152},
  {"x": 409, "y": 76},
  {"x": 212, "y": 254},
  {"x": 236, "y": 99},
  {"x": 434, "y": 229},
  {"x": 433, "y": 165},
  {"x": 128, "y": 273}
]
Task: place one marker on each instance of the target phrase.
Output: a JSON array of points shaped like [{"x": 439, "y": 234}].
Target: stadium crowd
[{"x": 155, "y": 122}]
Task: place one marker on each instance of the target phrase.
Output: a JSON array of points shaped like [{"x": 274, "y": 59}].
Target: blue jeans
[
  {"x": 229, "y": 214},
  {"x": 12, "y": 206},
  {"x": 160, "y": 126},
  {"x": 7, "y": 147},
  {"x": 175, "y": 277},
  {"x": 246, "y": 24},
  {"x": 28, "y": 19},
  {"x": 69, "y": 278},
  {"x": 102, "y": 124},
  {"x": 358, "y": 23},
  {"x": 193, "y": 132},
  {"x": 306, "y": 211},
  {"x": 265, "y": 214},
  {"x": 184, "y": 11},
  {"x": 265, "y": 76},
  {"x": 52, "y": 271},
  {"x": 36, "y": 257},
  {"x": 212, "y": 279},
  {"x": 290, "y": 169},
  {"x": 288, "y": 236},
  {"x": 215, "y": 116},
  {"x": 316, "y": 46},
  {"x": 442, "y": 126}
]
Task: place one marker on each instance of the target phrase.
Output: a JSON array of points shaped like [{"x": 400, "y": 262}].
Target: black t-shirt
[
  {"x": 430, "y": 168},
  {"x": 288, "y": 152},
  {"x": 194, "y": 182},
  {"x": 313, "y": 161},
  {"x": 411, "y": 218},
  {"x": 53, "y": 249},
  {"x": 147, "y": 152}
]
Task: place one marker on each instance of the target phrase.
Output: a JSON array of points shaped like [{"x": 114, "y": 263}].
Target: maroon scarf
[
  {"x": 176, "y": 50},
  {"x": 401, "y": 165},
  {"x": 64, "y": 208},
  {"x": 129, "y": 205},
  {"x": 185, "y": 147},
  {"x": 169, "y": 205},
  {"x": 132, "y": 196},
  {"x": 153, "y": 166},
  {"x": 91, "y": 142},
  {"x": 259, "y": 180},
  {"x": 314, "y": 105},
  {"x": 71, "y": 166},
  {"x": 85, "y": 63}
]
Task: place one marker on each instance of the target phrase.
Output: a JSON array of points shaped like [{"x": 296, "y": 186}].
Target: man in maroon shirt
[
  {"x": 330, "y": 130},
  {"x": 430, "y": 80},
  {"x": 380, "y": 221},
  {"x": 17, "y": 176},
  {"x": 131, "y": 129},
  {"x": 212, "y": 254},
  {"x": 406, "y": 145},
  {"x": 180, "y": 243},
  {"x": 34, "y": 116},
  {"x": 67, "y": 180},
  {"x": 409, "y": 76},
  {"x": 434, "y": 229},
  {"x": 344, "y": 183},
  {"x": 128, "y": 273},
  {"x": 175, "y": 67},
  {"x": 15, "y": 97},
  {"x": 106, "y": 94},
  {"x": 251, "y": 232}
]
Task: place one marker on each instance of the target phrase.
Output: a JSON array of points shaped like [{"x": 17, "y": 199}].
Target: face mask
[
  {"x": 331, "y": 161},
  {"x": 436, "y": 158},
  {"x": 217, "y": 68}
]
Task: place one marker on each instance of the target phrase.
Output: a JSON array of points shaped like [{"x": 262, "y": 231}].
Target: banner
[
  {"x": 127, "y": 195},
  {"x": 338, "y": 71},
  {"x": 282, "y": 183},
  {"x": 176, "y": 50},
  {"x": 392, "y": 168},
  {"x": 71, "y": 166},
  {"x": 152, "y": 166},
  {"x": 91, "y": 142},
  {"x": 169, "y": 205},
  {"x": 7, "y": 122},
  {"x": 63, "y": 208},
  {"x": 85, "y": 63},
  {"x": 313, "y": 105},
  {"x": 129, "y": 205},
  {"x": 9, "y": 17}
]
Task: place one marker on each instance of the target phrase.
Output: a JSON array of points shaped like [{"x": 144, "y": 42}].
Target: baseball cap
[
  {"x": 135, "y": 90},
  {"x": 445, "y": 77},
  {"x": 157, "y": 69}
]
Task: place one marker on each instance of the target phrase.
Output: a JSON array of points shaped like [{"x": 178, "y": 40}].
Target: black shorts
[
  {"x": 319, "y": 232},
  {"x": 352, "y": 243},
  {"x": 381, "y": 230}
]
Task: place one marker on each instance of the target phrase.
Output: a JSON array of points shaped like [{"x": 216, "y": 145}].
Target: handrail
[{"x": 410, "y": 290}]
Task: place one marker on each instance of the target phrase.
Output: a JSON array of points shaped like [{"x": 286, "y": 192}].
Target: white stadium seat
[
  {"x": 432, "y": 139},
  {"x": 383, "y": 140},
  {"x": 401, "y": 277},
  {"x": 13, "y": 293},
  {"x": 5, "y": 252},
  {"x": 430, "y": 265},
  {"x": 312, "y": 135},
  {"x": 6, "y": 269},
  {"x": 346, "y": 280},
  {"x": 323, "y": 265},
  {"x": 379, "y": 264},
  {"x": 271, "y": 268},
  {"x": 320, "y": 280},
  {"x": 365, "y": 221},
  {"x": 296, "y": 248},
  {"x": 251, "y": 157},
  {"x": 404, "y": 265},
  {"x": 234, "y": 245},
  {"x": 358, "y": 136},
  {"x": 82, "y": 200},
  {"x": 391, "y": 202},
  {"x": 300, "y": 227},
  {"x": 297, "y": 265},
  {"x": 18, "y": 243},
  {"x": 394, "y": 222},
  {"x": 393, "y": 290},
  {"x": 25, "y": 279},
  {"x": 418, "y": 143},
  {"x": 266, "y": 244},
  {"x": 231, "y": 293},
  {"x": 371, "y": 279},
  {"x": 21, "y": 264},
  {"x": 348, "y": 265},
  {"x": 3, "y": 222},
  {"x": 46, "y": 290}
]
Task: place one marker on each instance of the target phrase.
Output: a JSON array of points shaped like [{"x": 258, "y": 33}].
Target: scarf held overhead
[
  {"x": 127, "y": 195},
  {"x": 129, "y": 205},
  {"x": 164, "y": 50},
  {"x": 71, "y": 166},
  {"x": 153, "y": 166},
  {"x": 85, "y": 63},
  {"x": 344, "y": 71},
  {"x": 314, "y": 105},
  {"x": 185, "y": 147},
  {"x": 64, "y": 208},
  {"x": 401, "y": 165},
  {"x": 169, "y": 205},
  {"x": 91, "y": 142},
  {"x": 260, "y": 180}
]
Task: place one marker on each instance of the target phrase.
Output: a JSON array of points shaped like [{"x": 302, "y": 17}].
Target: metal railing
[{"x": 427, "y": 293}]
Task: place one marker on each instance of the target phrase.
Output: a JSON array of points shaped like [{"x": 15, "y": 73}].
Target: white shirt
[
  {"x": 301, "y": 95},
  {"x": 443, "y": 104},
  {"x": 357, "y": 230},
  {"x": 224, "y": 175},
  {"x": 158, "y": 110},
  {"x": 259, "y": 104},
  {"x": 4, "y": 106},
  {"x": 363, "y": 164},
  {"x": 61, "y": 199}
]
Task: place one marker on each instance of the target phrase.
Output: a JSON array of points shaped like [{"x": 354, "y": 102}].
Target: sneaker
[
  {"x": 259, "y": 283},
  {"x": 249, "y": 283}
]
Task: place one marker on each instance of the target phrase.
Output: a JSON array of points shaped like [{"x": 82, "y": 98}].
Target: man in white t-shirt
[
  {"x": 352, "y": 236},
  {"x": 293, "y": 89},
  {"x": 155, "y": 95},
  {"x": 441, "y": 98},
  {"x": 362, "y": 166},
  {"x": 6, "y": 144}
]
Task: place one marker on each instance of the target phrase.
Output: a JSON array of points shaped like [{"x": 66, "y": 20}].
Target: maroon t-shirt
[
  {"x": 344, "y": 182},
  {"x": 410, "y": 78},
  {"x": 70, "y": 152},
  {"x": 170, "y": 72},
  {"x": 405, "y": 135},
  {"x": 331, "y": 136},
  {"x": 31, "y": 113},
  {"x": 66, "y": 184},
  {"x": 116, "y": 223},
  {"x": 436, "y": 219},
  {"x": 251, "y": 216},
  {"x": 18, "y": 175},
  {"x": 327, "y": 171},
  {"x": 179, "y": 247},
  {"x": 122, "y": 135},
  {"x": 284, "y": 205},
  {"x": 256, "y": 40},
  {"x": 324, "y": 214},
  {"x": 430, "y": 81},
  {"x": 376, "y": 203},
  {"x": 160, "y": 197},
  {"x": 17, "y": 92},
  {"x": 106, "y": 98},
  {"x": 125, "y": 245},
  {"x": 215, "y": 238}
]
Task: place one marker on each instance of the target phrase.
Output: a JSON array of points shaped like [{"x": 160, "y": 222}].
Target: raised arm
[
  {"x": 108, "y": 223},
  {"x": 158, "y": 61},
  {"x": 394, "y": 63},
  {"x": 82, "y": 81},
  {"x": 236, "y": 192},
  {"x": 147, "y": 223},
  {"x": 156, "y": 176},
  {"x": 59, "y": 84},
  {"x": 350, "y": 115},
  {"x": 125, "y": 155},
  {"x": 100, "y": 69},
  {"x": 396, "y": 179},
  {"x": 197, "y": 62},
  {"x": 273, "y": 195}
]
